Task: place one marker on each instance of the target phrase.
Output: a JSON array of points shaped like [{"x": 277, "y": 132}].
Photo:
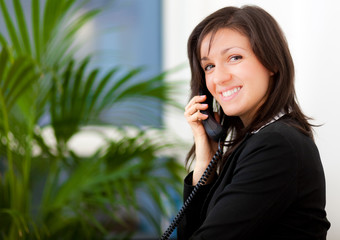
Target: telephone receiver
[{"x": 213, "y": 129}]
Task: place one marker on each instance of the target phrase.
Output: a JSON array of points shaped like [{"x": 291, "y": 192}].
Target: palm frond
[
  {"x": 35, "y": 11},
  {"x": 25, "y": 38},
  {"x": 112, "y": 180},
  {"x": 10, "y": 27},
  {"x": 79, "y": 98},
  {"x": 15, "y": 77},
  {"x": 51, "y": 37},
  {"x": 3, "y": 41}
]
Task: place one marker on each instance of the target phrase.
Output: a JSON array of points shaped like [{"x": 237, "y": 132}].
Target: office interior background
[{"x": 154, "y": 33}]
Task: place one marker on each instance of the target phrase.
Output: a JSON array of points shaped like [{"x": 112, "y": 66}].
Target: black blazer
[{"x": 272, "y": 187}]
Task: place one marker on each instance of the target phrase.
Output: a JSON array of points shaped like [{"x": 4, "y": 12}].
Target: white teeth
[{"x": 231, "y": 92}]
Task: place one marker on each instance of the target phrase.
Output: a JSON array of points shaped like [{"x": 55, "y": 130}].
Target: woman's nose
[{"x": 221, "y": 75}]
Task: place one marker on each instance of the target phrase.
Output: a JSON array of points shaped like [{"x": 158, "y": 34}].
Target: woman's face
[{"x": 234, "y": 75}]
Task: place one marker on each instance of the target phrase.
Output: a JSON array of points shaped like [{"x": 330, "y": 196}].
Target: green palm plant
[
  {"x": 52, "y": 34},
  {"x": 51, "y": 192},
  {"x": 17, "y": 77},
  {"x": 106, "y": 185},
  {"x": 48, "y": 37}
]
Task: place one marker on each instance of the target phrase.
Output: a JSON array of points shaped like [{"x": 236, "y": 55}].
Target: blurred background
[{"x": 92, "y": 133}]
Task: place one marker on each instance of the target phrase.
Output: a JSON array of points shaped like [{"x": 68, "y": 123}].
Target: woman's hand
[
  {"x": 205, "y": 147},
  {"x": 194, "y": 116}
]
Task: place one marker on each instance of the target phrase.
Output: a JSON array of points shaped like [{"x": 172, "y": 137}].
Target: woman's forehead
[{"x": 222, "y": 38}]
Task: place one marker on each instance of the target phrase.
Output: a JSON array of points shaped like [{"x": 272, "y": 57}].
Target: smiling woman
[{"x": 269, "y": 183}]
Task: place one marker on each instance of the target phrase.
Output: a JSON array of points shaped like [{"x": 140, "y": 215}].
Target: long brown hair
[{"x": 270, "y": 46}]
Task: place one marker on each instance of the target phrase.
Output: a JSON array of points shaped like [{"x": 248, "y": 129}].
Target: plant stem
[{"x": 12, "y": 183}]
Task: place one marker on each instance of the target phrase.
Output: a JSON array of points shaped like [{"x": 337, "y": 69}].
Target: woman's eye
[
  {"x": 208, "y": 67},
  {"x": 235, "y": 58}
]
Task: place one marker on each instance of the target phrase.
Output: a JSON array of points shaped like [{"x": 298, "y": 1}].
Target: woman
[{"x": 269, "y": 183}]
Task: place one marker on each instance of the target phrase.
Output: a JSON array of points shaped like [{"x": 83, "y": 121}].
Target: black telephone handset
[
  {"x": 213, "y": 129},
  {"x": 216, "y": 132}
]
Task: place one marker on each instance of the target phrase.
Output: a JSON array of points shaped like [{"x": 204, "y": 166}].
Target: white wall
[{"x": 313, "y": 33}]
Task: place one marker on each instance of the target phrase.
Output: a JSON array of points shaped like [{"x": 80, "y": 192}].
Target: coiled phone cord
[{"x": 217, "y": 156}]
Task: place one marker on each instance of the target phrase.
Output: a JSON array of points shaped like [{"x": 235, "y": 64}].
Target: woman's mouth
[{"x": 231, "y": 92}]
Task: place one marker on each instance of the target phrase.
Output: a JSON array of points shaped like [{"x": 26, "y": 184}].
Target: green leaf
[
  {"x": 64, "y": 101},
  {"x": 77, "y": 83},
  {"x": 10, "y": 27},
  {"x": 3, "y": 63},
  {"x": 53, "y": 102},
  {"x": 52, "y": 8},
  {"x": 80, "y": 22},
  {"x": 87, "y": 89},
  {"x": 103, "y": 84},
  {"x": 26, "y": 80},
  {"x": 113, "y": 91},
  {"x": 15, "y": 78},
  {"x": 25, "y": 40},
  {"x": 3, "y": 41},
  {"x": 13, "y": 72},
  {"x": 36, "y": 27}
]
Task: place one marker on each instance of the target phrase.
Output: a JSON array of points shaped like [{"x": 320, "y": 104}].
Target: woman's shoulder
[
  {"x": 283, "y": 133},
  {"x": 281, "y": 144},
  {"x": 284, "y": 128}
]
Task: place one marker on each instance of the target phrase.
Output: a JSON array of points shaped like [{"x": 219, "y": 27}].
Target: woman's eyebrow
[
  {"x": 224, "y": 51},
  {"x": 204, "y": 59}
]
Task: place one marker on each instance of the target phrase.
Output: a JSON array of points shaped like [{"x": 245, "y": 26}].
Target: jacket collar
[{"x": 275, "y": 118}]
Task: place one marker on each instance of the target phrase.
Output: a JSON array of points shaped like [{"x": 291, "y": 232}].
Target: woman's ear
[{"x": 274, "y": 71}]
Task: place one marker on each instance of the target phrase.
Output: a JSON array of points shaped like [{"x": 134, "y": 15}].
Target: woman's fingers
[
  {"x": 197, "y": 116},
  {"x": 196, "y": 107},
  {"x": 194, "y": 116},
  {"x": 192, "y": 110},
  {"x": 194, "y": 100}
]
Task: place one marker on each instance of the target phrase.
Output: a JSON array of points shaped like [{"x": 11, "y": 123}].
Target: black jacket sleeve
[{"x": 191, "y": 220}]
